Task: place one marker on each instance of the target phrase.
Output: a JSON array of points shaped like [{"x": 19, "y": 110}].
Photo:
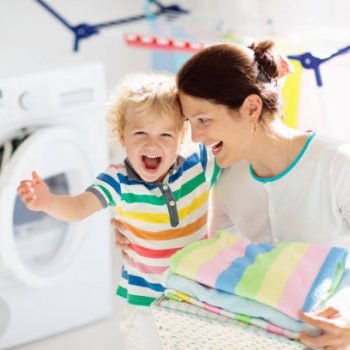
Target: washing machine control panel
[
  {"x": 22, "y": 99},
  {"x": 55, "y": 96},
  {"x": 26, "y": 100}
]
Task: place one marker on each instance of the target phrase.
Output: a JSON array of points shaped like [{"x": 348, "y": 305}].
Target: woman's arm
[
  {"x": 218, "y": 218},
  {"x": 121, "y": 242},
  {"x": 334, "y": 321},
  {"x": 340, "y": 171}
]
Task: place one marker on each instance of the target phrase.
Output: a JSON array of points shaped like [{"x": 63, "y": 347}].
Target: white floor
[
  {"x": 103, "y": 334},
  {"x": 100, "y": 335}
]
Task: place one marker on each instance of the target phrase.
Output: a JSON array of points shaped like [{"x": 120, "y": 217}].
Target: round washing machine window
[
  {"x": 38, "y": 237},
  {"x": 35, "y": 248}
]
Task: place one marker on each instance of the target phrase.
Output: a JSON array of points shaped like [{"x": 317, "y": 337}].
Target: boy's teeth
[{"x": 148, "y": 156}]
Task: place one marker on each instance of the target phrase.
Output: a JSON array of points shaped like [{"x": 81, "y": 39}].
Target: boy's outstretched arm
[{"x": 37, "y": 196}]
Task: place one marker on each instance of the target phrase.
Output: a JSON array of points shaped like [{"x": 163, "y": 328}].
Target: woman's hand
[
  {"x": 335, "y": 328},
  {"x": 121, "y": 242}
]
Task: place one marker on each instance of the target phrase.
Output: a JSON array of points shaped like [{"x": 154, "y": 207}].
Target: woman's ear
[
  {"x": 251, "y": 108},
  {"x": 284, "y": 66}
]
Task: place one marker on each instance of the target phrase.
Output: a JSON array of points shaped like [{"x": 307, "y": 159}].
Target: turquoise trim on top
[{"x": 286, "y": 171}]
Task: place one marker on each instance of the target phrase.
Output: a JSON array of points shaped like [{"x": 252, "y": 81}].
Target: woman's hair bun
[{"x": 265, "y": 61}]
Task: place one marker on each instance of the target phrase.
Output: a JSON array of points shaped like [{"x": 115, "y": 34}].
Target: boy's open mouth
[{"x": 151, "y": 162}]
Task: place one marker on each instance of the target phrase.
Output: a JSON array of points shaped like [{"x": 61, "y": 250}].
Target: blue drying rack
[
  {"x": 309, "y": 61},
  {"x": 84, "y": 30}
]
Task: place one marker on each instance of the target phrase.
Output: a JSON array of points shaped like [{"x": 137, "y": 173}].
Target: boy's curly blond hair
[{"x": 145, "y": 92}]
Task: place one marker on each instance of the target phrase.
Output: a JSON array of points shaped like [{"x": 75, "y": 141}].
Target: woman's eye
[{"x": 203, "y": 120}]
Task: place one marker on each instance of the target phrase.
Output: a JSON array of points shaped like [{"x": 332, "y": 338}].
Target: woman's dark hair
[{"x": 227, "y": 73}]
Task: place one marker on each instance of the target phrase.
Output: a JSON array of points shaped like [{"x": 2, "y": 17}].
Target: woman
[{"x": 280, "y": 184}]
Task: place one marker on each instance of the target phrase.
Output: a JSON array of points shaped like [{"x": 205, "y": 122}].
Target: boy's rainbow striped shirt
[{"x": 160, "y": 218}]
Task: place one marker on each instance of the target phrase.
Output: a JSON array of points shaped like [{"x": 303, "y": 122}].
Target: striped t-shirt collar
[{"x": 133, "y": 175}]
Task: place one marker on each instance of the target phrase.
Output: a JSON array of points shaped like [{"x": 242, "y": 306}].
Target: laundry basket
[{"x": 183, "y": 326}]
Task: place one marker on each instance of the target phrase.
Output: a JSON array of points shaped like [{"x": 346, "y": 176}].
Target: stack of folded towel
[{"x": 261, "y": 284}]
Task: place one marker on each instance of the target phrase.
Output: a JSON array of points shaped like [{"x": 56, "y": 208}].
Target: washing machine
[{"x": 54, "y": 276}]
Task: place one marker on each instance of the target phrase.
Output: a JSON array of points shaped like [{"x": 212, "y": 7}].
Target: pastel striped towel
[
  {"x": 288, "y": 276},
  {"x": 235, "y": 304},
  {"x": 259, "y": 322}
]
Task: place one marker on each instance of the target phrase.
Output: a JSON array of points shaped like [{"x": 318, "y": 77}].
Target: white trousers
[{"x": 138, "y": 329}]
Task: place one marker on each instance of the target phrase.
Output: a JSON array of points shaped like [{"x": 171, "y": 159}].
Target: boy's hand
[{"x": 34, "y": 193}]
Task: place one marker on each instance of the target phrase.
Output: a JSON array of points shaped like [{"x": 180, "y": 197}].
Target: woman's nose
[{"x": 196, "y": 134}]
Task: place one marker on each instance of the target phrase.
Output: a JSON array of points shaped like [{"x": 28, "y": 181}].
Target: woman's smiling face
[{"x": 216, "y": 126}]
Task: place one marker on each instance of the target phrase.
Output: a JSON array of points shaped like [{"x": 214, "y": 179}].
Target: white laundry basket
[{"x": 183, "y": 326}]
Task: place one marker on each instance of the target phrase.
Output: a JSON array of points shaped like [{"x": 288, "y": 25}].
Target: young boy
[{"x": 159, "y": 196}]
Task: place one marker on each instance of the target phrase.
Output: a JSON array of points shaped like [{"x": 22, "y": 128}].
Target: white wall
[
  {"x": 261, "y": 18},
  {"x": 31, "y": 38}
]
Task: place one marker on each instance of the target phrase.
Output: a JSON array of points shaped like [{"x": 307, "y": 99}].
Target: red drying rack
[{"x": 166, "y": 44}]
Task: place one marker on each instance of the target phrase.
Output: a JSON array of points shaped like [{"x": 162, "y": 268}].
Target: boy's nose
[{"x": 152, "y": 142}]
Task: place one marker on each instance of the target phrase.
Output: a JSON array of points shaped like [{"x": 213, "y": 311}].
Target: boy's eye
[
  {"x": 165, "y": 134},
  {"x": 140, "y": 133}
]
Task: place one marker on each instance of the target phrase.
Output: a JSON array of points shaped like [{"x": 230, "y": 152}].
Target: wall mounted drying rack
[{"x": 84, "y": 30}]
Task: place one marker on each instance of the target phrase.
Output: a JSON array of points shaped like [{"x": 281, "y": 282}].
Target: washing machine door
[{"x": 34, "y": 248}]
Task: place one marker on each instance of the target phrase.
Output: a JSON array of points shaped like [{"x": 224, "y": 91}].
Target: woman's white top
[{"x": 308, "y": 202}]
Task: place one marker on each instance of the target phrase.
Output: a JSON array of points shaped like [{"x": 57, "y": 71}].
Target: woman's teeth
[{"x": 216, "y": 147}]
